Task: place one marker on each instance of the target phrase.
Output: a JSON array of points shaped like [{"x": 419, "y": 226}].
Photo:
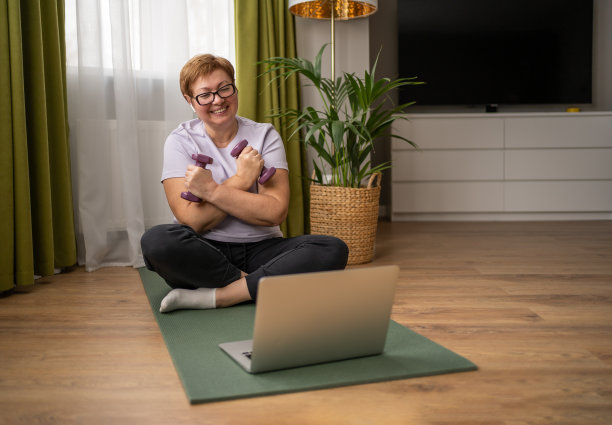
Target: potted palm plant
[{"x": 343, "y": 132}]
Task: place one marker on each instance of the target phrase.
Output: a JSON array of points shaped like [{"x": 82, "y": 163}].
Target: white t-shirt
[{"x": 190, "y": 137}]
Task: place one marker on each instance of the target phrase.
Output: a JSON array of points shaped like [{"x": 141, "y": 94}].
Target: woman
[{"x": 219, "y": 248}]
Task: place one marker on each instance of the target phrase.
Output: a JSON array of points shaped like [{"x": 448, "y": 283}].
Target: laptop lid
[{"x": 310, "y": 318}]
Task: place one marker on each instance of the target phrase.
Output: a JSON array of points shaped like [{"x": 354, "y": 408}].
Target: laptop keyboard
[{"x": 247, "y": 354}]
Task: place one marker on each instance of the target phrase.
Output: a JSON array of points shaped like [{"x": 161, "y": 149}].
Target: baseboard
[{"x": 565, "y": 216}]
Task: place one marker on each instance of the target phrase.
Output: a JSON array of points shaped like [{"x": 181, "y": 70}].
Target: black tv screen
[{"x": 479, "y": 52}]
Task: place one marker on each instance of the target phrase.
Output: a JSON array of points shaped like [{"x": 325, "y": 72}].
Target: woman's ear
[{"x": 188, "y": 99}]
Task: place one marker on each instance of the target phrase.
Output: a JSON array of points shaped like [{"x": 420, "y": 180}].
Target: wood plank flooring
[{"x": 529, "y": 303}]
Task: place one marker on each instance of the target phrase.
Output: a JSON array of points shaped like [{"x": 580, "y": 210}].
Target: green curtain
[
  {"x": 265, "y": 28},
  {"x": 36, "y": 215}
]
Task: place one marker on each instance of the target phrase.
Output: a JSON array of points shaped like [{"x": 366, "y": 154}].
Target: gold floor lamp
[{"x": 333, "y": 10}]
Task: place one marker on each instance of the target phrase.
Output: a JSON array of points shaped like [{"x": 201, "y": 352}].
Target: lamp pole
[
  {"x": 349, "y": 9},
  {"x": 333, "y": 41}
]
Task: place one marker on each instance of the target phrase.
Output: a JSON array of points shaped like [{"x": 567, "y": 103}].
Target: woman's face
[{"x": 221, "y": 112}]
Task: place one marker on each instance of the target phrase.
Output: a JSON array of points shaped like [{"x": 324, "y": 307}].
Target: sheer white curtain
[{"x": 123, "y": 64}]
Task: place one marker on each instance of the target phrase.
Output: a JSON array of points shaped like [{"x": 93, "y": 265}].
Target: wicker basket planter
[{"x": 350, "y": 214}]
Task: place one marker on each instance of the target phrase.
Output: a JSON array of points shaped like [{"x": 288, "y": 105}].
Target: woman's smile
[{"x": 219, "y": 111}]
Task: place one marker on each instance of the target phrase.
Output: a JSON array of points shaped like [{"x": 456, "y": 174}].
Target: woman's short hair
[{"x": 201, "y": 66}]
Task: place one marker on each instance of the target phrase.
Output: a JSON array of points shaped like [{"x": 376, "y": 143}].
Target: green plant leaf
[
  {"x": 320, "y": 149},
  {"x": 355, "y": 113}
]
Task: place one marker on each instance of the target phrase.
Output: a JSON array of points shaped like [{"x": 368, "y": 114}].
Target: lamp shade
[{"x": 343, "y": 9}]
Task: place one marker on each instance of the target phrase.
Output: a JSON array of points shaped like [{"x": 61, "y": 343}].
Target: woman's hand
[
  {"x": 199, "y": 181},
  {"x": 249, "y": 165}
]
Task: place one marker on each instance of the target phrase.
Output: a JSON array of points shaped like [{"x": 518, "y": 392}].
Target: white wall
[
  {"x": 352, "y": 43},
  {"x": 602, "y": 55}
]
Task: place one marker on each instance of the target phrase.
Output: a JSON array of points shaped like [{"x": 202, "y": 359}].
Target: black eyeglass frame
[{"x": 215, "y": 93}]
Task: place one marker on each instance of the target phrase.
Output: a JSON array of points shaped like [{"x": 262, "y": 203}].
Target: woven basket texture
[{"x": 350, "y": 214}]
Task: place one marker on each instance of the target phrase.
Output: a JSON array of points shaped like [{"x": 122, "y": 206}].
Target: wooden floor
[{"x": 529, "y": 303}]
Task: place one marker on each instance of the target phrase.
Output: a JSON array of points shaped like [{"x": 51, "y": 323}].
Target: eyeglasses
[{"x": 209, "y": 97}]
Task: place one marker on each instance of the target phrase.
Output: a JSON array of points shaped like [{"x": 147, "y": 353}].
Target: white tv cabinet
[{"x": 503, "y": 166}]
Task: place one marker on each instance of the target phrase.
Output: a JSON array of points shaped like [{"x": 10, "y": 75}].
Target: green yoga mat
[{"x": 208, "y": 374}]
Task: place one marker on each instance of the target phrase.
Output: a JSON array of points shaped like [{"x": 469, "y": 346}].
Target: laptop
[{"x": 309, "y": 318}]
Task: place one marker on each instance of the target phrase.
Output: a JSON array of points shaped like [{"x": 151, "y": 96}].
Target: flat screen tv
[{"x": 481, "y": 52}]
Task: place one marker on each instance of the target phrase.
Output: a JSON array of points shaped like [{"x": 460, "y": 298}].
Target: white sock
[{"x": 195, "y": 299}]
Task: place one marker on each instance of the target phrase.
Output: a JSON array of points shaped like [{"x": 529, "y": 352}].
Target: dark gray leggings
[{"x": 185, "y": 259}]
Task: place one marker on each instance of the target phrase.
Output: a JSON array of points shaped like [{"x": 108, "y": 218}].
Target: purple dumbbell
[
  {"x": 201, "y": 161},
  {"x": 266, "y": 173}
]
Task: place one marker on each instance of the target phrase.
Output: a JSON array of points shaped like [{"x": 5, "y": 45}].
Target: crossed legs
[{"x": 210, "y": 274}]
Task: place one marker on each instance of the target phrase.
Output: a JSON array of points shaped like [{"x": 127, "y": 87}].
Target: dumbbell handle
[
  {"x": 201, "y": 161},
  {"x": 265, "y": 174}
]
